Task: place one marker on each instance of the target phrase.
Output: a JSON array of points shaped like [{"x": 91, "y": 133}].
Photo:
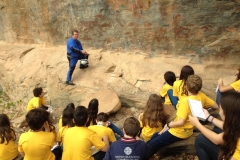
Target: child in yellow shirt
[
  {"x": 67, "y": 122},
  {"x": 224, "y": 145},
  {"x": 170, "y": 78},
  {"x": 60, "y": 124},
  {"x": 102, "y": 130},
  {"x": 37, "y": 143},
  {"x": 153, "y": 118},
  {"x": 180, "y": 128},
  {"x": 179, "y": 89},
  {"x": 8, "y": 148},
  {"x": 235, "y": 86},
  {"x": 78, "y": 140},
  {"x": 38, "y": 100}
]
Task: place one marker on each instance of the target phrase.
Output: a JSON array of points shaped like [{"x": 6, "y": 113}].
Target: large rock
[
  {"x": 19, "y": 122},
  {"x": 108, "y": 101}
]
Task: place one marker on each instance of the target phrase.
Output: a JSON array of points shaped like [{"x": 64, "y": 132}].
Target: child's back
[
  {"x": 8, "y": 149},
  {"x": 184, "y": 110},
  {"x": 148, "y": 131},
  {"x": 153, "y": 118},
  {"x": 78, "y": 141},
  {"x": 37, "y": 145},
  {"x": 103, "y": 130},
  {"x": 128, "y": 147}
]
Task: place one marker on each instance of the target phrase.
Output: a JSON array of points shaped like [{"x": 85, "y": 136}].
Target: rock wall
[{"x": 175, "y": 27}]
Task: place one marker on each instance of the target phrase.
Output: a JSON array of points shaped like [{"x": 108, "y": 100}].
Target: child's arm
[
  {"x": 212, "y": 136},
  {"x": 173, "y": 124},
  {"x": 216, "y": 122},
  {"x": 106, "y": 141},
  {"x": 223, "y": 88},
  {"x": 215, "y": 106}
]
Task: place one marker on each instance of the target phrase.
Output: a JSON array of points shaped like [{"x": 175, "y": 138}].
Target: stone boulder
[
  {"x": 19, "y": 122},
  {"x": 108, "y": 100}
]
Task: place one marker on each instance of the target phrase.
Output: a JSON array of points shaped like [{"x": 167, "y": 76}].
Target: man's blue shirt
[{"x": 74, "y": 48}]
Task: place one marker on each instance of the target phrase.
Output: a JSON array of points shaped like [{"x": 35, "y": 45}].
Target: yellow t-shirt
[
  {"x": 163, "y": 93},
  {"x": 236, "y": 85},
  {"x": 61, "y": 133},
  {"x": 78, "y": 142},
  {"x": 60, "y": 123},
  {"x": 177, "y": 89},
  {"x": 8, "y": 151},
  {"x": 147, "y": 131},
  {"x": 103, "y": 131},
  {"x": 37, "y": 145},
  {"x": 183, "y": 111},
  {"x": 236, "y": 154},
  {"x": 35, "y": 102}
]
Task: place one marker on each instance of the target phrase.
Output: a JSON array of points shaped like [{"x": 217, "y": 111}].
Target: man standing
[{"x": 74, "y": 53}]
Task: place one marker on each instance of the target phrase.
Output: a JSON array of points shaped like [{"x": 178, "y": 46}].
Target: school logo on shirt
[{"x": 127, "y": 150}]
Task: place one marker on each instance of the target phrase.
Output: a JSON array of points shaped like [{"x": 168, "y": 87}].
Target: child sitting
[
  {"x": 180, "y": 128},
  {"x": 78, "y": 140},
  {"x": 101, "y": 129},
  {"x": 170, "y": 78},
  {"x": 92, "y": 114},
  {"x": 8, "y": 148},
  {"x": 128, "y": 147},
  {"x": 38, "y": 100},
  {"x": 37, "y": 143},
  {"x": 67, "y": 122},
  {"x": 154, "y": 117},
  {"x": 60, "y": 123},
  {"x": 179, "y": 90}
]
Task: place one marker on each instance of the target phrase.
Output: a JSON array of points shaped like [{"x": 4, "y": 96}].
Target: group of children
[{"x": 86, "y": 134}]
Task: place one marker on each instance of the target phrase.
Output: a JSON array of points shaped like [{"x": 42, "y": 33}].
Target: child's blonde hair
[{"x": 194, "y": 84}]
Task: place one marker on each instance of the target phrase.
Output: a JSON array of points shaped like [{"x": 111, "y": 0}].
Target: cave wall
[{"x": 193, "y": 28}]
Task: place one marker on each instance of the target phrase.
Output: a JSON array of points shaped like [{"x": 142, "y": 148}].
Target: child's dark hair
[
  {"x": 154, "y": 112},
  {"x": 131, "y": 127},
  {"x": 92, "y": 112},
  {"x": 185, "y": 72},
  {"x": 102, "y": 117},
  {"x": 37, "y": 117},
  {"x": 170, "y": 77},
  {"x": 6, "y": 132},
  {"x": 67, "y": 116},
  {"x": 71, "y": 105},
  {"x": 37, "y": 91},
  {"x": 194, "y": 84},
  {"x": 230, "y": 104},
  {"x": 80, "y": 116}
]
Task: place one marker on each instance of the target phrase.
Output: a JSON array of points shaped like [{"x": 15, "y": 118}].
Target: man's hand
[{"x": 84, "y": 52}]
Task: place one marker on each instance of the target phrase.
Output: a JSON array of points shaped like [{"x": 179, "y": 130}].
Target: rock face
[{"x": 156, "y": 27}]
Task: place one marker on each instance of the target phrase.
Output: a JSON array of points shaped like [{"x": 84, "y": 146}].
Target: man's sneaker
[
  {"x": 83, "y": 66},
  {"x": 69, "y": 83}
]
